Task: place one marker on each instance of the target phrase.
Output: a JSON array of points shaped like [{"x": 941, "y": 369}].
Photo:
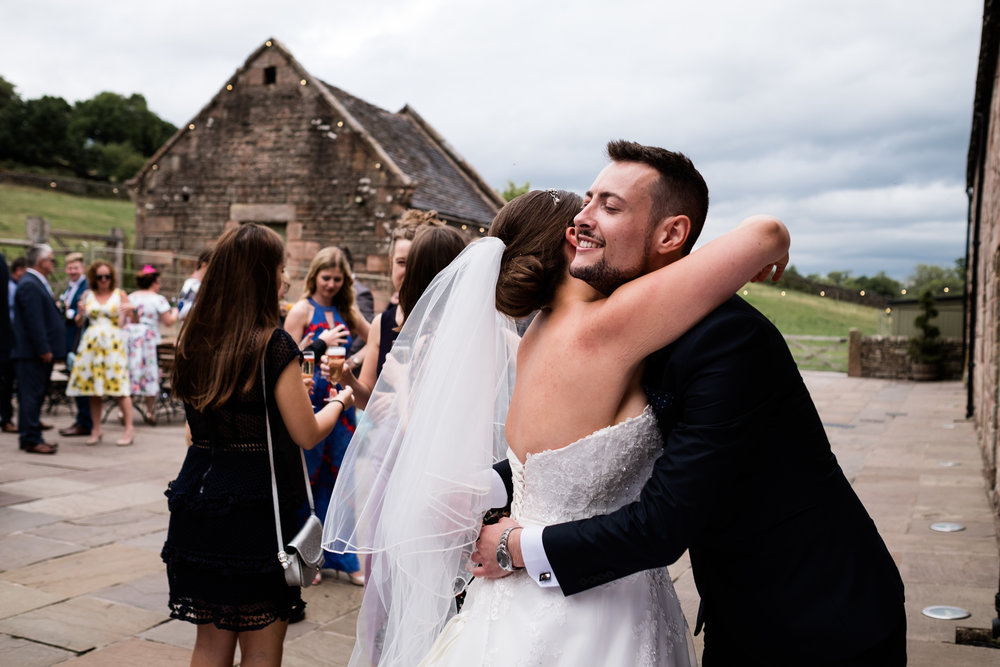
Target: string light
[
  {"x": 862, "y": 292},
  {"x": 191, "y": 126},
  {"x": 822, "y": 292},
  {"x": 340, "y": 123},
  {"x": 303, "y": 82},
  {"x": 464, "y": 227},
  {"x": 267, "y": 43},
  {"x": 782, "y": 292},
  {"x": 903, "y": 291},
  {"x": 229, "y": 86},
  {"x": 946, "y": 290}
]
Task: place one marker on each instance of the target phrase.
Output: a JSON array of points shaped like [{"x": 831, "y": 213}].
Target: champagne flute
[
  {"x": 335, "y": 357},
  {"x": 308, "y": 364}
]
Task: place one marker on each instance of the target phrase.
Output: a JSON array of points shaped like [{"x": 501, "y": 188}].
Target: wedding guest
[
  {"x": 433, "y": 248},
  {"x": 7, "y": 372},
  {"x": 70, "y": 301},
  {"x": 39, "y": 339},
  {"x": 328, "y": 304},
  {"x": 189, "y": 290},
  {"x": 151, "y": 310},
  {"x": 220, "y": 552},
  {"x": 101, "y": 367}
]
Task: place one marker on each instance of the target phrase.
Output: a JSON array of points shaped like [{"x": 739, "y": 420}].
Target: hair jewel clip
[
  {"x": 555, "y": 195},
  {"x": 149, "y": 268}
]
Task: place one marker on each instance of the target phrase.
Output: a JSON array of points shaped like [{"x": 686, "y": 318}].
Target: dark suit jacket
[
  {"x": 6, "y": 333},
  {"x": 787, "y": 561},
  {"x": 38, "y": 325}
]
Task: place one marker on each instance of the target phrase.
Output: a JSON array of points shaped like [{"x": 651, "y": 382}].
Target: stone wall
[
  {"x": 886, "y": 357},
  {"x": 267, "y": 149},
  {"x": 984, "y": 249}
]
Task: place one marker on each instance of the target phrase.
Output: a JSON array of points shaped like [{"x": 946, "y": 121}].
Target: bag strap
[{"x": 282, "y": 556}]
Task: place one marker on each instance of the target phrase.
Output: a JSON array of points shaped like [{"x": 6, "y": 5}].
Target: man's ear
[{"x": 671, "y": 234}]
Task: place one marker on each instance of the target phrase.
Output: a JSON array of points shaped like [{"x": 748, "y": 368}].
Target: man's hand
[{"x": 484, "y": 558}]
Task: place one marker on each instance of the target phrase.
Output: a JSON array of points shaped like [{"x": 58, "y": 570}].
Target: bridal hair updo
[{"x": 533, "y": 227}]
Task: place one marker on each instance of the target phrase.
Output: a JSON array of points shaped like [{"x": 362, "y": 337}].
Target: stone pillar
[{"x": 854, "y": 354}]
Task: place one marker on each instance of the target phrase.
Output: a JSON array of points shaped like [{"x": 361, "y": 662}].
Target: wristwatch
[{"x": 504, "y": 560}]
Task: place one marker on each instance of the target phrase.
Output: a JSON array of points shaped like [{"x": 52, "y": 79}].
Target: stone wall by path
[{"x": 886, "y": 357}]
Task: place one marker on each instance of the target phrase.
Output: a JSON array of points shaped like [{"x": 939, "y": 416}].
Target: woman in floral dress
[
  {"x": 101, "y": 368},
  {"x": 151, "y": 310}
]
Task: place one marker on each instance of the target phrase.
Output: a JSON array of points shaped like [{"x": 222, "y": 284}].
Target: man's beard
[{"x": 604, "y": 278}]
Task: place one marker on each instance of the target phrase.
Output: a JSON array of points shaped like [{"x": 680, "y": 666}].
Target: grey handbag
[{"x": 303, "y": 556}]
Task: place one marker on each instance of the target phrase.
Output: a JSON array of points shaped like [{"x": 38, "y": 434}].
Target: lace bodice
[{"x": 594, "y": 475}]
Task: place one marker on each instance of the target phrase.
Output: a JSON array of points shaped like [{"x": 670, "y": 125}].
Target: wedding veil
[{"x": 413, "y": 486}]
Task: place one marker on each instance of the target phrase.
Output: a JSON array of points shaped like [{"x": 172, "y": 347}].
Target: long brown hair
[
  {"x": 434, "y": 246},
  {"x": 533, "y": 227},
  {"x": 225, "y": 336},
  {"x": 332, "y": 257}
]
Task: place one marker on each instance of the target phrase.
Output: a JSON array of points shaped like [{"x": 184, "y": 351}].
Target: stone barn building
[
  {"x": 983, "y": 253},
  {"x": 278, "y": 146}
]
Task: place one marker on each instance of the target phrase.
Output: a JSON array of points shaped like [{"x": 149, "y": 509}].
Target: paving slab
[
  {"x": 318, "y": 648},
  {"x": 175, "y": 633},
  {"x": 87, "y": 571},
  {"x": 150, "y": 592},
  {"x": 20, "y": 549},
  {"x": 80, "y": 624},
  {"x": 26, "y": 653},
  {"x": 16, "y": 599},
  {"x": 134, "y": 652},
  {"x": 47, "y": 486},
  {"x": 94, "y": 531}
]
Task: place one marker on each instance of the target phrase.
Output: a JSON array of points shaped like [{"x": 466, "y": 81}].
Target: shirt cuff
[
  {"x": 535, "y": 561},
  {"x": 498, "y": 492}
]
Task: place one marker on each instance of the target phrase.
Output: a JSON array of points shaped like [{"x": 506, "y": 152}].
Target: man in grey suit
[{"x": 39, "y": 339}]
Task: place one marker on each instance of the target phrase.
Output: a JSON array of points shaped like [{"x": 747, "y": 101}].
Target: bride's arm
[{"x": 653, "y": 310}]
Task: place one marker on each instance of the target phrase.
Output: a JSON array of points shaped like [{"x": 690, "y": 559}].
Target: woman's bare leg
[
  {"x": 213, "y": 647},
  {"x": 263, "y": 648}
]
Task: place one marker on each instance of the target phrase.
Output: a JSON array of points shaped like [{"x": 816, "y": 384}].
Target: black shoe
[
  {"x": 75, "y": 429},
  {"x": 9, "y": 427},
  {"x": 41, "y": 448}
]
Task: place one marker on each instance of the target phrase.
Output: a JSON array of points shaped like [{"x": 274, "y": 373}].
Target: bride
[{"x": 417, "y": 477}]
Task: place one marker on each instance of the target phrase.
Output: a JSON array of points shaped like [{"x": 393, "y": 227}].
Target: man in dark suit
[
  {"x": 39, "y": 339},
  {"x": 790, "y": 567},
  {"x": 6, "y": 347},
  {"x": 70, "y": 300}
]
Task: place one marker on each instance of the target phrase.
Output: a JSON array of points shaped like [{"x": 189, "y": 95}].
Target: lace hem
[{"x": 242, "y": 618}]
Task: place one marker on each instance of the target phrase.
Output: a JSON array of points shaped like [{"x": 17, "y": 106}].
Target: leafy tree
[
  {"x": 880, "y": 284},
  {"x": 927, "y": 346},
  {"x": 43, "y": 129},
  {"x": 513, "y": 190},
  {"x": 110, "y": 118},
  {"x": 839, "y": 278},
  {"x": 933, "y": 278},
  {"x": 11, "y": 111}
]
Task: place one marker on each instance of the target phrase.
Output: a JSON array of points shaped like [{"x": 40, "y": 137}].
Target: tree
[
  {"x": 513, "y": 190},
  {"x": 110, "y": 118},
  {"x": 933, "y": 278},
  {"x": 43, "y": 130}
]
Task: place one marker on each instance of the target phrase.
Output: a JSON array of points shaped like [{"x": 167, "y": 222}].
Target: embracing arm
[
  {"x": 365, "y": 382},
  {"x": 655, "y": 309}
]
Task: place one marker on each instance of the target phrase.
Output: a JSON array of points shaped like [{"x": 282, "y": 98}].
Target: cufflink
[{"x": 545, "y": 576}]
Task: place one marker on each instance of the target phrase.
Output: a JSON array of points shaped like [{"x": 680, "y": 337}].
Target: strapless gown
[{"x": 636, "y": 620}]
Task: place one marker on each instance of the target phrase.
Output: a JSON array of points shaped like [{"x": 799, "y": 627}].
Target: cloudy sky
[{"x": 848, "y": 119}]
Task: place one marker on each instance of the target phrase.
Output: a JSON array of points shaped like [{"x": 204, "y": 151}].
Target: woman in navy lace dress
[{"x": 221, "y": 548}]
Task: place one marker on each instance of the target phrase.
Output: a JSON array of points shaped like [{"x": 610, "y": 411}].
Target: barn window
[{"x": 270, "y": 75}]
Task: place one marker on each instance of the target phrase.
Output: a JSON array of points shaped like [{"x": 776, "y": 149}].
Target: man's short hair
[
  {"x": 36, "y": 252},
  {"x": 74, "y": 257},
  {"x": 19, "y": 263},
  {"x": 680, "y": 190},
  {"x": 204, "y": 257}
]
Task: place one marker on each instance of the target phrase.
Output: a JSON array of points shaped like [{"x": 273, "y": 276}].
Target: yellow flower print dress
[{"x": 101, "y": 367}]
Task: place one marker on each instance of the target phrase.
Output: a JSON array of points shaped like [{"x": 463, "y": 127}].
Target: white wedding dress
[{"x": 636, "y": 620}]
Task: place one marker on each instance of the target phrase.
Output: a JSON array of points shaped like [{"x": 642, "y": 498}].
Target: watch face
[{"x": 503, "y": 559}]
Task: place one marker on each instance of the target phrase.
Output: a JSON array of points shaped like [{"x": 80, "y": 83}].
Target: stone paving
[{"x": 81, "y": 581}]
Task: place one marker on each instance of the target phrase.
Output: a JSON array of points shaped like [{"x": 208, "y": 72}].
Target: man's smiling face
[{"x": 613, "y": 231}]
